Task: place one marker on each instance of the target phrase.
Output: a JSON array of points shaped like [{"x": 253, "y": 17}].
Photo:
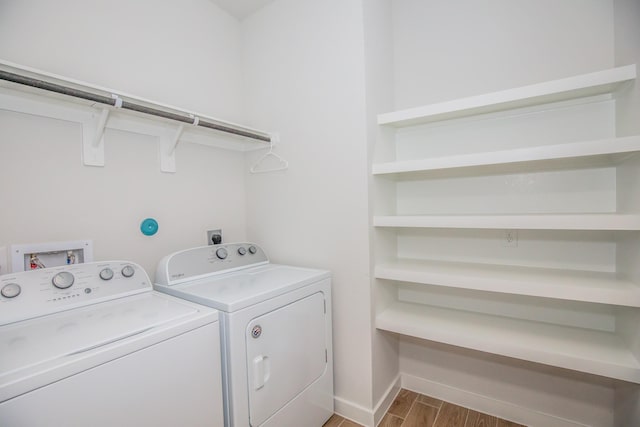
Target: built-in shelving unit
[
  {"x": 36, "y": 92},
  {"x": 574, "y": 285},
  {"x": 585, "y": 85},
  {"x": 605, "y": 152},
  {"x": 586, "y": 209},
  {"x": 606, "y": 221},
  {"x": 597, "y": 352}
]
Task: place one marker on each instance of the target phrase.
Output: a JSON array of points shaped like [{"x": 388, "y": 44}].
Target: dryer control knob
[
  {"x": 128, "y": 271},
  {"x": 221, "y": 253},
  {"x": 252, "y": 249},
  {"x": 242, "y": 250},
  {"x": 63, "y": 280},
  {"x": 11, "y": 290},
  {"x": 106, "y": 274}
]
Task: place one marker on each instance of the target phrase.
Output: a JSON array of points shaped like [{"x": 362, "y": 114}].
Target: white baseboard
[
  {"x": 364, "y": 416},
  {"x": 488, "y": 405},
  {"x": 352, "y": 411},
  {"x": 386, "y": 400}
]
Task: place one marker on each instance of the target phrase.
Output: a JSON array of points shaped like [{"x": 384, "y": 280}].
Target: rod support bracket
[
  {"x": 167, "y": 150},
  {"x": 93, "y": 139}
]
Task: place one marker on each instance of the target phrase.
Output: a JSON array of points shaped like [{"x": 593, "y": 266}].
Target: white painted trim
[
  {"x": 488, "y": 405},
  {"x": 353, "y": 411},
  {"x": 386, "y": 400}
]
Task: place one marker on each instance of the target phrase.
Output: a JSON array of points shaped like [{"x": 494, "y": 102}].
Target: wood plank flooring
[{"x": 410, "y": 409}]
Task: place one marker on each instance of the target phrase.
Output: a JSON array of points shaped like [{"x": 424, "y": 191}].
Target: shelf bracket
[
  {"x": 93, "y": 136},
  {"x": 167, "y": 150},
  {"x": 93, "y": 139}
]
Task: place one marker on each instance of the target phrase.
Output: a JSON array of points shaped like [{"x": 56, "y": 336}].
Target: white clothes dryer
[
  {"x": 276, "y": 331},
  {"x": 94, "y": 345}
]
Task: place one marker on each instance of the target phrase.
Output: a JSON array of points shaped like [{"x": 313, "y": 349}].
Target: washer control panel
[
  {"x": 208, "y": 260},
  {"x": 34, "y": 293}
]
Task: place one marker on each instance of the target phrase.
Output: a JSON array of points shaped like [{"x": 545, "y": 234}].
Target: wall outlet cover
[{"x": 214, "y": 237}]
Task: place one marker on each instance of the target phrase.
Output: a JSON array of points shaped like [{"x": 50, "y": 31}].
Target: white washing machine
[
  {"x": 276, "y": 331},
  {"x": 94, "y": 345}
]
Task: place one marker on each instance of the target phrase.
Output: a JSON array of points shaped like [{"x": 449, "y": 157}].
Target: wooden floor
[{"x": 411, "y": 409}]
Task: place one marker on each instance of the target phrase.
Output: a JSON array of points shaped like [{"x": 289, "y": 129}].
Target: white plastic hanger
[{"x": 282, "y": 164}]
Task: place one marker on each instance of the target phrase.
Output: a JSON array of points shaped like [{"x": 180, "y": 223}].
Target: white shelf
[
  {"x": 579, "y": 349},
  {"x": 580, "y": 86},
  {"x": 522, "y": 222},
  {"x": 605, "y": 152},
  {"x": 40, "y": 93},
  {"x": 571, "y": 285}
]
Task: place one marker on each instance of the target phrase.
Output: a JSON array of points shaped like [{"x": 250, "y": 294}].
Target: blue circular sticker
[{"x": 149, "y": 227}]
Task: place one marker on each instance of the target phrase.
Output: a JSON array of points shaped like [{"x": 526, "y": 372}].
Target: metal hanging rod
[{"x": 128, "y": 105}]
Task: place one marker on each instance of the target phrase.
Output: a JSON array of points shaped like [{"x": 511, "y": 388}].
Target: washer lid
[
  {"x": 234, "y": 291},
  {"x": 37, "y": 345}
]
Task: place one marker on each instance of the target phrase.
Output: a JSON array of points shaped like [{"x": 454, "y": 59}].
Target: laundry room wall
[
  {"x": 451, "y": 49},
  {"x": 183, "y": 53},
  {"x": 303, "y": 65}
]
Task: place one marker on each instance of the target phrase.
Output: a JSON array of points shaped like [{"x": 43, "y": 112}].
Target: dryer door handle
[{"x": 261, "y": 371}]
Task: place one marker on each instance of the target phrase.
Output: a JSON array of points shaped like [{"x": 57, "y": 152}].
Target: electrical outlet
[
  {"x": 510, "y": 238},
  {"x": 4, "y": 263},
  {"x": 214, "y": 237}
]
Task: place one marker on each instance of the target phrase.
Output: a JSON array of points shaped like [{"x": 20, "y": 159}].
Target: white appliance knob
[
  {"x": 106, "y": 274},
  {"x": 242, "y": 250},
  {"x": 252, "y": 250},
  {"x": 63, "y": 280},
  {"x": 128, "y": 271},
  {"x": 11, "y": 290},
  {"x": 221, "y": 253}
]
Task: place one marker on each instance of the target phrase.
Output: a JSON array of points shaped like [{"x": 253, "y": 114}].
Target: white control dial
[
  {"x": 106, "y": 274},
  {"x": 63, "y": 280},
  {"x": 242, "y": 250},
  {"x": 252, "y": 249},
  {"x": 221, "y": 253},
  {"x": 11, "y": 290},
  {"x": 128, "y": 271}
]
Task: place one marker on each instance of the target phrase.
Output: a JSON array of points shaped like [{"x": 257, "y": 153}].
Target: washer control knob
[
  {"x": 252, "y": 249},
  {"x": 106, "y": 273},
  {"x": 242, "y": 250},
  {"x": 128, "y": 271},
  {"x": 11, "y": 290},
  {"x": 63, "y": 280},
  {"x": 221, "y": 253}
]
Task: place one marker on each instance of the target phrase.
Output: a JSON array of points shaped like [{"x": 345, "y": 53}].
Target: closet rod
[{"x": 128, "y": 105}]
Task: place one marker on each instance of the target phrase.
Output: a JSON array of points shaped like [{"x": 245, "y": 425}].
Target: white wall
[
  {"x": 182, "y": 53},
  {"x": 627, "y": 51},
  {"x": 451, "y": 49},
  {"x": 304, "y": 77},
  {"x": 379, "y": 80}
]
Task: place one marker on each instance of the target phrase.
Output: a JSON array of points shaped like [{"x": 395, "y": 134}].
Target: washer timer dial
[
  {"x": 221, "y": 253},
  {"x": 63, "y": 280},
  {"x": 128, "y": 271},
  {"x": 11, "y": 290},
  {"x": 106, "y": 274}
]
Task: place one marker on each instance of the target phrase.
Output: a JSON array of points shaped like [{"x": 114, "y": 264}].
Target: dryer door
[{"x": 286, "y": 352}]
